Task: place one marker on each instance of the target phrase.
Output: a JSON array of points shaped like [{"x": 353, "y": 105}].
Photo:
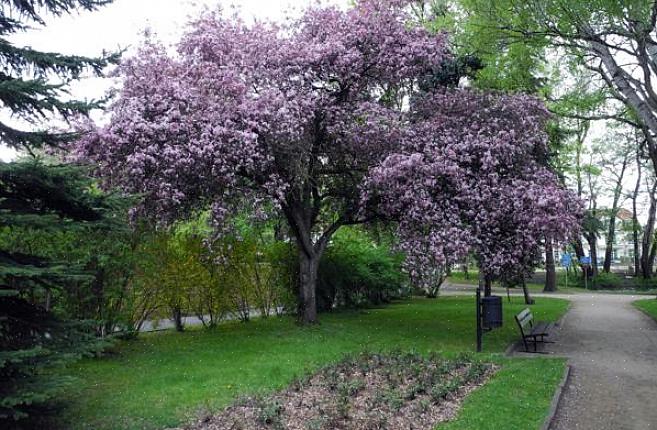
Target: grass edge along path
[
  {"x": 518, "y": 397},
  {"x": 647, "y": 306},
  {"x": 162, "y": 380}
]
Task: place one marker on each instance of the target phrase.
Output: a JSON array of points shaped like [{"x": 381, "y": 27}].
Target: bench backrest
[{"x": 524, "y": 319}]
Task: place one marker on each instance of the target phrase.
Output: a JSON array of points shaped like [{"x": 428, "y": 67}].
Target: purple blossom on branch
[
  {"x": 297, "y": 116},
  {"x": 472, "y": 177}
]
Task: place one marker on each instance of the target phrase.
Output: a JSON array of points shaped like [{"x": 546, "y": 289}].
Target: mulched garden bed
[{"x": 366, "y": 392}]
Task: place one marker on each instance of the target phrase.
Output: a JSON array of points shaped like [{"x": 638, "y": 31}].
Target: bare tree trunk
[
  {"x": 639, "y": 98},
  {"x": 579, "y": 252},
  {"x": 651, "y": 257},
  {"x": 308, "y": 268},
  {"x": 488, "y": 286},
  {"x": 648, "y": 235},
  {"x": 592, "y": 239},
  {"x": 609, "y": 244},
  {"x": 309, "y": 256},
  {"x": 594, "y": 255},
  {"x": 550, "y": 270},
  {"x": 635, "y": 219},
  {"x": 611, "y": 229},
  {"x": 177, "y": 318}
]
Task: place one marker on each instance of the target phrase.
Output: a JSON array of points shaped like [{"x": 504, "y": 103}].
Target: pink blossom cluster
[
  {"x": 269, "y": 110},
  {"x": 297, "y": 116},
  {"x": 472, "y": 177}
]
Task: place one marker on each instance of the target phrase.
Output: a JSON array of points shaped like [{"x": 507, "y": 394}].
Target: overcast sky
[{"x": 122, "y": 24}]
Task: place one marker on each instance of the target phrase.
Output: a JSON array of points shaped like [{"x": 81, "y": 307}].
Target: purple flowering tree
[
  {"x": 292, "y": 116},
  {"x": 472, "y": 177}
]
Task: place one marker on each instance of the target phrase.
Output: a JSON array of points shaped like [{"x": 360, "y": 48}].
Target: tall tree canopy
[
  {"x": 615, "y": 41},
  {"x": 295, "y": 114}
]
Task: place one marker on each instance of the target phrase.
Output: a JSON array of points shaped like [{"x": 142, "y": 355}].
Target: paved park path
[{"x": 612, "y": 348}]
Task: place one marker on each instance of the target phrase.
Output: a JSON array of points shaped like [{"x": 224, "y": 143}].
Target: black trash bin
[{"x": 491, "y": 312}]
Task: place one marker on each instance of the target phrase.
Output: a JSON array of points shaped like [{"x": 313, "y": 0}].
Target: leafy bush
[
  {"x": 645, "y": 284},
  {"x": 607, "y": 281},
  {"x": 185, "y": 270},
  {"x": 356, "y": 271}
]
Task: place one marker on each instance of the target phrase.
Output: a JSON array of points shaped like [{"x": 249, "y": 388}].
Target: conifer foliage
[
  {"x": 33, "y": 83},
  {"x": 35, "y": 196}
]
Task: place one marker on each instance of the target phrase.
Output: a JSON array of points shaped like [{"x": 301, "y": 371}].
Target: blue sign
[
  {"x": 585, "y": 260},
  {"x": 566, "y": 260}
]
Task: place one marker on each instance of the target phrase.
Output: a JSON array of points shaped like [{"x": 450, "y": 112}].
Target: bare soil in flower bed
[{"x": 368, "y": 391}]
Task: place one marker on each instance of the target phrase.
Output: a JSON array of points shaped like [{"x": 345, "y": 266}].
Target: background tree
[
  {"x": 480, "y": 182},
  {"x": 614, "y": 41},
  {"x": 648, "y": 240},
  {"x": 506, "y": 67},
  {"x": 616, "y": 160}
]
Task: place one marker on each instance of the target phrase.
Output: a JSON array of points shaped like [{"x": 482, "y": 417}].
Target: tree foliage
[
  {"x": 613, "y": 41},
  {"x": 33, "y": 83},
  {"x": 475, "y": 182},
  {"x": 37, "y": 197},
  {"x": 294, "y": 115}
]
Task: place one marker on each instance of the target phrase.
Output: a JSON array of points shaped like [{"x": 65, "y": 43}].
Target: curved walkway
[{"x": 612, "y": 349}]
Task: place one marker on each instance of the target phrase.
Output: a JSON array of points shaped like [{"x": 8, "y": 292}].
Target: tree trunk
[
  {"x": 301, "y": 218},
  {"x": 579, "y": 253},
  {"x": 651, "y": 257},
  {"x": 593, "y": 252},
  {"x": 488, "y": 286},
  {"x": 528, "y": 298},
  {"x": 177, "y": 318},
  {"x": 308, "y": 269},
  {"x": 550, "y": 270},
  {"x": 611, "y": 229},
  {"x": 635, "y": 218},
  {"x": 648, "y": 236},
  {"x": 637, "y": 257},
  {"x": 635, "y": 227},
  {"x": 609, "y": 245},
  {"x": 621, "y": 82}
]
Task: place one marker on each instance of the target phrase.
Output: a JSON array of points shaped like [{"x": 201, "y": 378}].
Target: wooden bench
[{"x": 530, "y": 331}]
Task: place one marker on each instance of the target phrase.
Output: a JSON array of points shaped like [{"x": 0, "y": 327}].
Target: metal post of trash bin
[{"x": 479, "y": 329}]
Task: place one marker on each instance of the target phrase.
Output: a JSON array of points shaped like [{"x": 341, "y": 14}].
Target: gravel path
[{"x": 612, "y": 348}]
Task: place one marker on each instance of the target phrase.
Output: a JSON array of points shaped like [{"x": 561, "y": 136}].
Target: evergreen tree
[
  {"x": 37, "y": 196},
  {"x": 33, "y": 84}
]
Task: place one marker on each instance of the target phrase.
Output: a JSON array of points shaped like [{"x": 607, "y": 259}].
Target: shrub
[
  {"x": 355, "y": 271},
  {"x": 606, "y": 281}
]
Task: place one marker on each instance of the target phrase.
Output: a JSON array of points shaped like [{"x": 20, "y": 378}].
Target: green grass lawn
[
  {"x": 164, "y": 379},
  {"x": 649, "y": 306}
]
